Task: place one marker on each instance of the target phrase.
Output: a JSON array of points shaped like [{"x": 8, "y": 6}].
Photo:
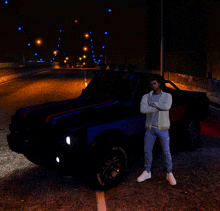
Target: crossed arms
[{"x": 147, "y": 106}]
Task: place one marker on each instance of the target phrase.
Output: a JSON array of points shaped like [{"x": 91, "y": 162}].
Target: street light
[
  {"x": 38, "y": 41},
  {"x": 84, "y": 56},
  {"x": 85, "y": 48},
  {"x": 162, "y": 43},
  {"x": 80, "y": 58},
  {"x": 86, "y": 35},
  {"x": 55, "y": 52}
]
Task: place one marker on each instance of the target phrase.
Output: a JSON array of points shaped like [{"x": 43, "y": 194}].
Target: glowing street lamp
[
  {"x": 86, "y": 35},
  {"x": 85, "y": 48},
  {"x": 55, "y": 52},
  {"x": 67, "y": 58},
  {"x": 39, "y": 42},
  {"x": 84, "y": 56},
  {"x": 80, "y": 58}
]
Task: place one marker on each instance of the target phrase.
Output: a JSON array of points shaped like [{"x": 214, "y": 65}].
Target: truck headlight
[
  {"x": 68, "y": 140},
  {"x": 57, "y": 159}
]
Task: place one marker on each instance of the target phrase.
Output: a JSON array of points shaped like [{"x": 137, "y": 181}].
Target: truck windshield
[{"x": 111, "y": 85}]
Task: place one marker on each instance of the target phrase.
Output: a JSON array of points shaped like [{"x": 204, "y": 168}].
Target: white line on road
[{"x": 100, "y": 198}]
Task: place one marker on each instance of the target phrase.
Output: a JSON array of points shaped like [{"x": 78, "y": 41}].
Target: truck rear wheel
[{"x": 193, "y": 133}]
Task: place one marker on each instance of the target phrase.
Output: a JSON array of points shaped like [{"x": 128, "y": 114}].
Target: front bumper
[{"x": 45, "y": 147}]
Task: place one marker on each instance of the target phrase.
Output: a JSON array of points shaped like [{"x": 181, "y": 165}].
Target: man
[{"x": 156, "y": 105}]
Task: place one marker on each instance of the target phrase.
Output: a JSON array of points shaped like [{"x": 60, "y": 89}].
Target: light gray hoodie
[{"x": 163, "y": 106}]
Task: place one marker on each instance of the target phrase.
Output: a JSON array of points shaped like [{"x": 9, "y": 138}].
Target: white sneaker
[
  {"x": 144, "y": 176},
  {"x": 171, "y": 179}
]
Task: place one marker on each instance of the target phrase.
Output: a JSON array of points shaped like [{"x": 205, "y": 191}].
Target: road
[{"x": 26, "y": 186}]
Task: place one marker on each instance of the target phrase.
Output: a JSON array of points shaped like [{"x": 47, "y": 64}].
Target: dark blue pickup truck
[{"x": 101, "y": 125}]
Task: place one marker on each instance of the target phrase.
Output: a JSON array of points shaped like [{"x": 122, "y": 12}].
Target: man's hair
[{"x": 153, "y": 78}]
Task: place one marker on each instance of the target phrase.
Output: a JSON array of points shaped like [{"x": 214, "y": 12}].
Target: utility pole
[
  {"x": 162, "y": 44},
  {"x": 105, "y": 52}
]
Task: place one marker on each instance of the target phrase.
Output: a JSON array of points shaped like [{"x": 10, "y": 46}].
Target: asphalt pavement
[{"x": 9, "y": 74}]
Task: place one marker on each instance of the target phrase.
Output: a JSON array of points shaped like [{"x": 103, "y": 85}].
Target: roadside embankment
[
  {"x": 192, "y": 83},
  {"x": 185, "y": 82}
]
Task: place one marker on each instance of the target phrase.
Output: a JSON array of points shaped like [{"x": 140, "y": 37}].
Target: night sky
[
  {"x": 126, "y": 26},
  {"x": 133, "y": 28}
]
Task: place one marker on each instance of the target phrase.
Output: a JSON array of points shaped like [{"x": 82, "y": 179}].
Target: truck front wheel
[{"x": 108, "y": 167}]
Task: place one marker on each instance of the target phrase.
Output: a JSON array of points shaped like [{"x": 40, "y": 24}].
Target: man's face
[{"x": 154, "y": 85}]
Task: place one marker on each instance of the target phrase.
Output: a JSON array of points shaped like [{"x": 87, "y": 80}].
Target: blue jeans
[{"x": 149, "y": 140}]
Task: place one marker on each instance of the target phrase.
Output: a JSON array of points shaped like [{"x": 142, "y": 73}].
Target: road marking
[{"x": 100, "y": 198}]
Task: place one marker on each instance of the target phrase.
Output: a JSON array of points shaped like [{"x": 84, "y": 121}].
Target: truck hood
[{"x": 74, "y": 112}]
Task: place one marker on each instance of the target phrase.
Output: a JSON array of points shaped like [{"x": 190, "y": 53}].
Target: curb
[{"x": 6, "y": 78}]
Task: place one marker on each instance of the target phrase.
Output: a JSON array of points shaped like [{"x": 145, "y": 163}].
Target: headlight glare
[
  {"x": 57, "y": 159},
  {"x": 68, "y": 140}
]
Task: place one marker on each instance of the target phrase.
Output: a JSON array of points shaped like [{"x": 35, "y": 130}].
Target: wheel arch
[
  {"x": 197, "y": 109},
  {"x": 109, "y": 137}
]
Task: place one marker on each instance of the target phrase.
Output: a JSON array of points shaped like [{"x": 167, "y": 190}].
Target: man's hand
[
  {"x": 154, "y": 105},
  {"x": 149, "y": 102}
]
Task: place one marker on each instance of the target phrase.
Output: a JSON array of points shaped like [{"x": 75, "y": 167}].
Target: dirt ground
[{"x": 198, "y": 186}]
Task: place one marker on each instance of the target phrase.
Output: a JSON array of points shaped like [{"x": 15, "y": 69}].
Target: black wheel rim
[
  {"x": 113, "y": 166},
  {"x": 193, "y": 131}
]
